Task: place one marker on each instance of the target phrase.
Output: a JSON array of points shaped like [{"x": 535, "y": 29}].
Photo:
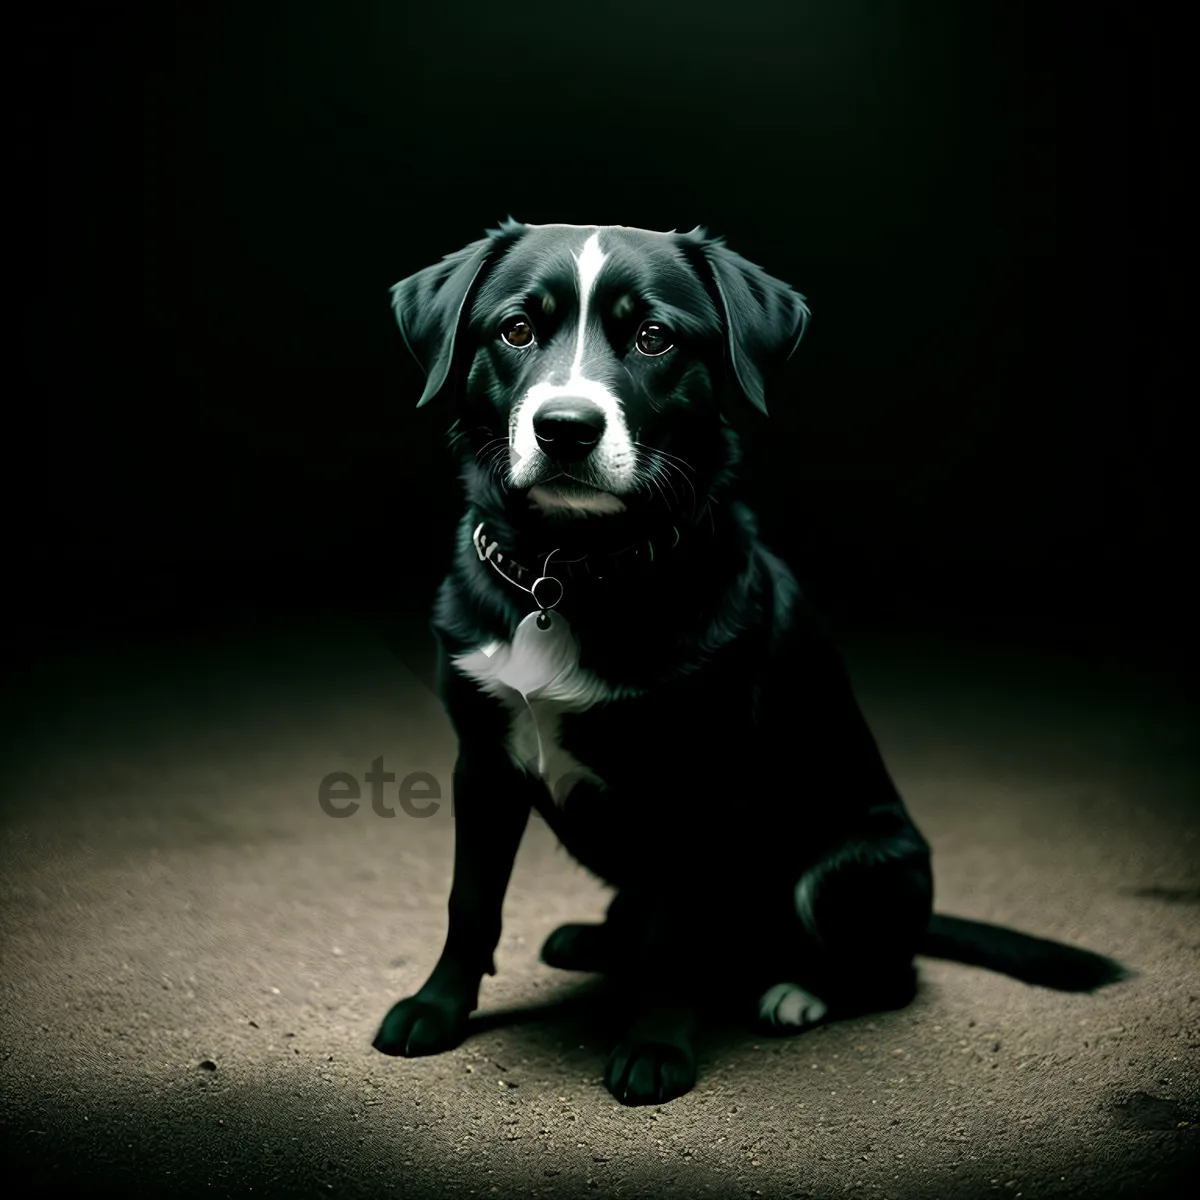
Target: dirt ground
[{"x": 196, "y": 957}]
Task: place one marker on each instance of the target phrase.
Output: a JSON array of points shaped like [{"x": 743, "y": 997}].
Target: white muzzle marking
[{"x": 612, "y": 465}]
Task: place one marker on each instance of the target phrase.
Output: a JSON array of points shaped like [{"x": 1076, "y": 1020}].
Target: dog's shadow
[
  {"x": 592, "y": 1014},
  {"x": 581, "y": 1011}
]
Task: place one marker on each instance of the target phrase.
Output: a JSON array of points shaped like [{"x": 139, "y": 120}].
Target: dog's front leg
[
  {"x": 491, "y": 808},
  {"x": 656, "y": 1060}
]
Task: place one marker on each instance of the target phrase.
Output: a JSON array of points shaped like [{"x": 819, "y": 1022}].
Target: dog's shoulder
[
  {"x": 802, "y": 653},
  {"x": 784, "y": 604}
]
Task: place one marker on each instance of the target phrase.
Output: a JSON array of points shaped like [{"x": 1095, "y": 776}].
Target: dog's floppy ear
[
  {"x": 430, "y": 305},
  {"x": 764, "y": 318}
]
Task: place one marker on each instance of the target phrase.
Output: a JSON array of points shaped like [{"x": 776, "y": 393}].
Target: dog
[{"x": 621, "y": 653}]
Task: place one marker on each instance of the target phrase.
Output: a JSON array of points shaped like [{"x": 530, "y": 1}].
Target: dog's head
[{"x": 593, "y": 365}]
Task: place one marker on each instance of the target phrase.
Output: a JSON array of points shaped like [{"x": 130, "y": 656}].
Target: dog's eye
[
  {"x": 653, "y": 339},
  {"x": 518, "y": 332}
]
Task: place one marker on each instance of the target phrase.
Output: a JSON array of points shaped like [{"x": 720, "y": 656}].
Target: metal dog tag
[{"x": 543, "y": 649}]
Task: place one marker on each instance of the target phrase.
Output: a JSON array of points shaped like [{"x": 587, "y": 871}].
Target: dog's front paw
[
  {"x": 423, "y": 1025},
  {"x": 650, "y": 1072}
]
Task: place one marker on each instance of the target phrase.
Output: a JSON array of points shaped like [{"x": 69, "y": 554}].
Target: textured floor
[{"x": 195, "y": 956}]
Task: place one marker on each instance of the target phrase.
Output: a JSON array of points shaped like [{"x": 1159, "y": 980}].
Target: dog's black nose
[{"x": 568, "y": 429}]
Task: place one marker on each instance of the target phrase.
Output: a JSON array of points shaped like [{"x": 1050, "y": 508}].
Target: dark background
[
  {"x": 212, "y": 423},
  {"x": 982, "y": 201}
]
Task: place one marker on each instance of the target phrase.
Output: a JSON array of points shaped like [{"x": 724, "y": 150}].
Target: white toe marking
[{"x": 791, "y": 1005}]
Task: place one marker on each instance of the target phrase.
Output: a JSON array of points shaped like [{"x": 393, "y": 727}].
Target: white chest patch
[{"x": 503, "y": 670}]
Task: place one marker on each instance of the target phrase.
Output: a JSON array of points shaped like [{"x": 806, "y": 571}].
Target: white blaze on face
[{"x": 612, "y": 462}]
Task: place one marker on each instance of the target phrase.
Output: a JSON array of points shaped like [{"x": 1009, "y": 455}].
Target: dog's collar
[{"x": 547, "y": 586}]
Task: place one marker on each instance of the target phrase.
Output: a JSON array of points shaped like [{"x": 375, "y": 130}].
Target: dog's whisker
[
  {"x": 664, "y": 454},
  {"x": 690, "y": 486},
  {"x": 664, "y": 479},
  {"x": 647, "y": 479},
  {"x": 663, "y": 469},
  {"x": 658, "y": 487},
  {"x": 492, "y": 454},
  {"x": 489, "y": 447}
]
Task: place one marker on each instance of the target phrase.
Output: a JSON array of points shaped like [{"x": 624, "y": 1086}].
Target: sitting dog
[{"x": 620, "y": 652}]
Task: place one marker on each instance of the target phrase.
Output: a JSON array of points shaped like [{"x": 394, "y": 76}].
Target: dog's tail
[{"x": 1031, "y": 959}]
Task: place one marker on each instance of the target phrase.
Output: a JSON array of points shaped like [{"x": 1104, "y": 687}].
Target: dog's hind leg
[
  {"x": 789, "y": 1008},
  {"x": 579, "y": 947},
  {"x": 862, "y": 913},
  {"x": 595, "y": 947}
]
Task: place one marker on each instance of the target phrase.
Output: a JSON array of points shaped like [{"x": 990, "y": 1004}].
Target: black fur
[{"x": 743, "y": 764}]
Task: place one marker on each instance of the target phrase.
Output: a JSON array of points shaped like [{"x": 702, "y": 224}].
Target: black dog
[{"x": 620, "y": 652}]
